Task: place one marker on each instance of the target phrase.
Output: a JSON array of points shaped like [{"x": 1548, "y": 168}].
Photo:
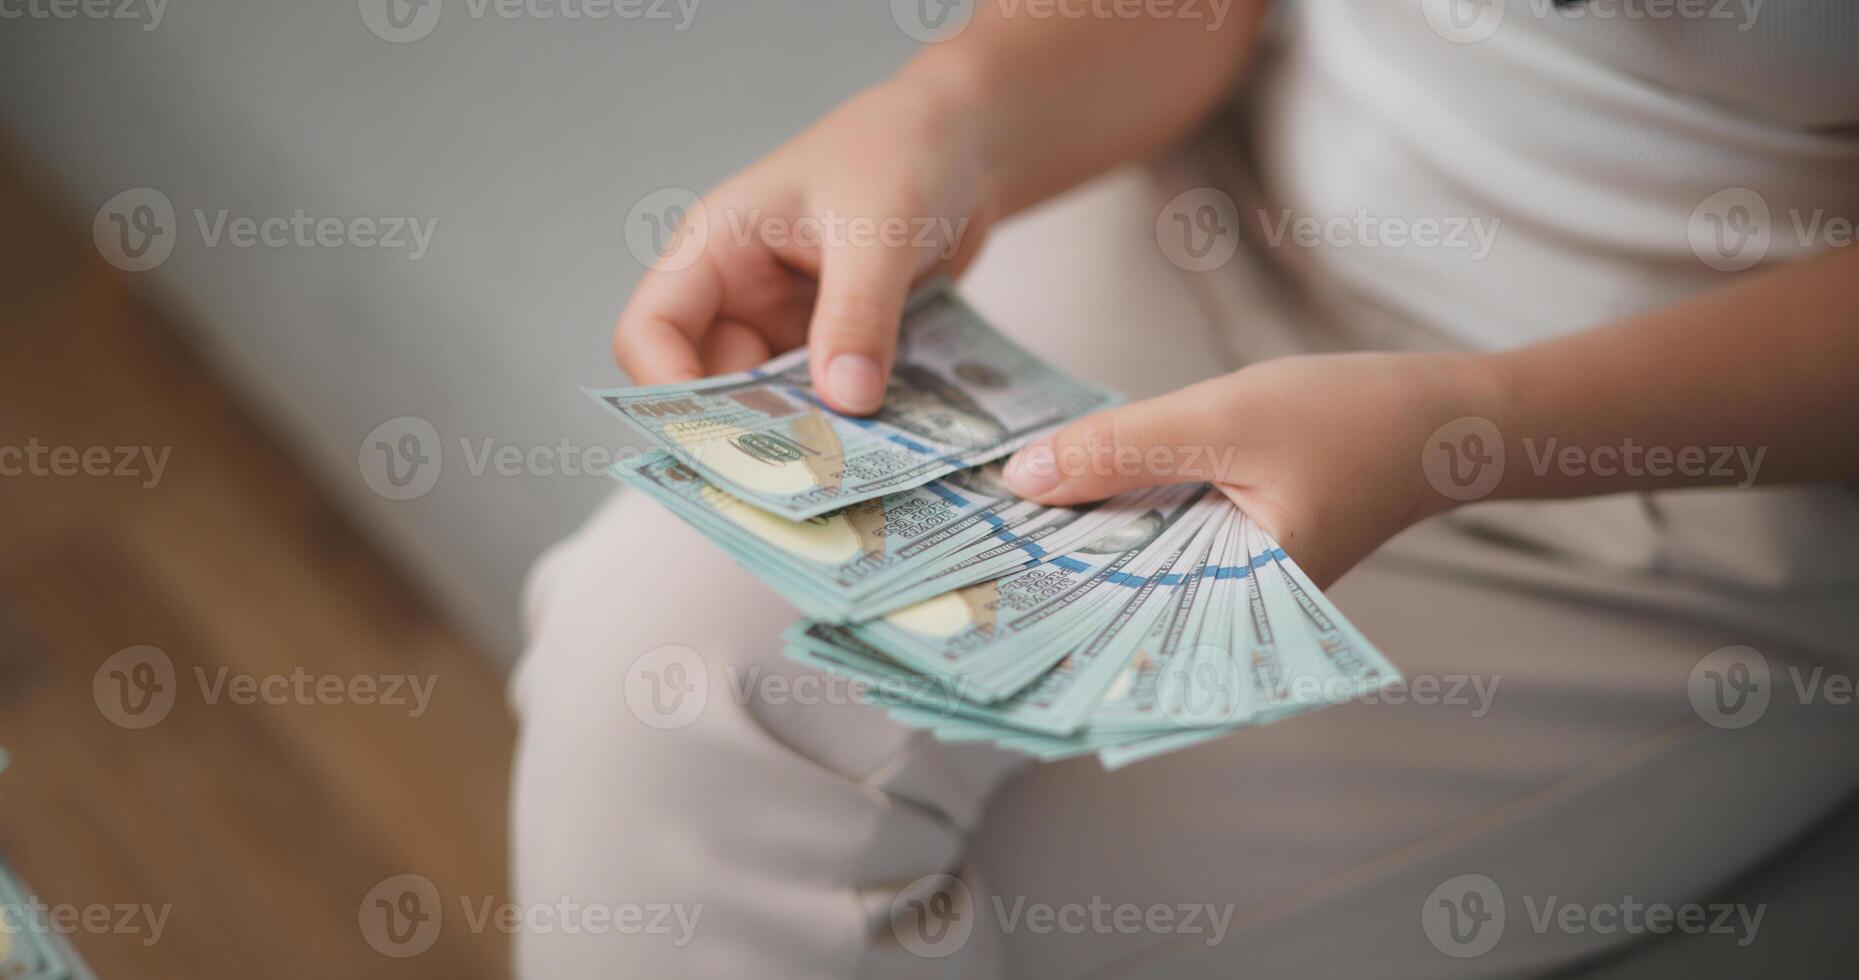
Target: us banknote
[
  {"x": 1152, "y": 622},
  {"x": 884, "y": 554},
  {"x": 999, "y": 635},
  {"x": 1225, "y": 633},
  {"x": 961, "y": 394},
  {"x": 1059, "y": 701}
]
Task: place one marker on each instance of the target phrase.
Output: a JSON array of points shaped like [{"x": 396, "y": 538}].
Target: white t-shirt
[{"x": 1508, "y": 171}]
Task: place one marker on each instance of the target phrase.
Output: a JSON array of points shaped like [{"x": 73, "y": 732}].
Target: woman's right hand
[{"x": 818, "y": 244}]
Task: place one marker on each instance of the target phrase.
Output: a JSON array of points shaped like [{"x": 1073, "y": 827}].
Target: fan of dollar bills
[{"x": 1146, "y": 623}]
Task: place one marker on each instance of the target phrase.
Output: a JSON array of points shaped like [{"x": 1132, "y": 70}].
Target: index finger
[{"x": 656, "y": 338}]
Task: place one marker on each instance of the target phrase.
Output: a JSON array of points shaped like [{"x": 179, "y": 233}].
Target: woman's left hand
[{"x": 1324, "y": 451}]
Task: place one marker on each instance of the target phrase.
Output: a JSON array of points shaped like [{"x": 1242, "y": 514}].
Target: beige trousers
[{"x": 1548, "y": 743}]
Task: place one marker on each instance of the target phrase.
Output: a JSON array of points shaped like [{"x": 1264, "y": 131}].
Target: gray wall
[{"x": 526, "y": 141}]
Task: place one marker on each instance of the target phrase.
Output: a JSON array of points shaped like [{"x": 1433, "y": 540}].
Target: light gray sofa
[{"x": 520, "y": 143}]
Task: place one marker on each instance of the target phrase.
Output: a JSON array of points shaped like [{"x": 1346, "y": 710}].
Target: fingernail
[
  {"x": 1032, "y": 471},
  {"x": 856, "y": 382}
]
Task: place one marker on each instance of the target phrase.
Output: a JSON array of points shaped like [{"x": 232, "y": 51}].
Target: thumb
[
  {"x": 1171, "y": 439},
  {"x": 853, "y": 334}
]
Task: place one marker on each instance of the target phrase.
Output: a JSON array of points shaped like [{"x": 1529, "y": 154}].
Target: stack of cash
[{"x": 1136, "y": 626}]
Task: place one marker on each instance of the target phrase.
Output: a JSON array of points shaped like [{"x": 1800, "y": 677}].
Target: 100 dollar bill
[{"x": 960, "y": 395}]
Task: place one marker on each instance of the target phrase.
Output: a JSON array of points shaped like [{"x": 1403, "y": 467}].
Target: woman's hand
[
  {"x": 1331, "y": 452},
  {"x": 1324, "y": 451},
  {"x": 817, "y": 244}
]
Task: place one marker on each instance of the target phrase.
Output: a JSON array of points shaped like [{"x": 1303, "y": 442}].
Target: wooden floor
[{"x": 259, "y": 827}]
